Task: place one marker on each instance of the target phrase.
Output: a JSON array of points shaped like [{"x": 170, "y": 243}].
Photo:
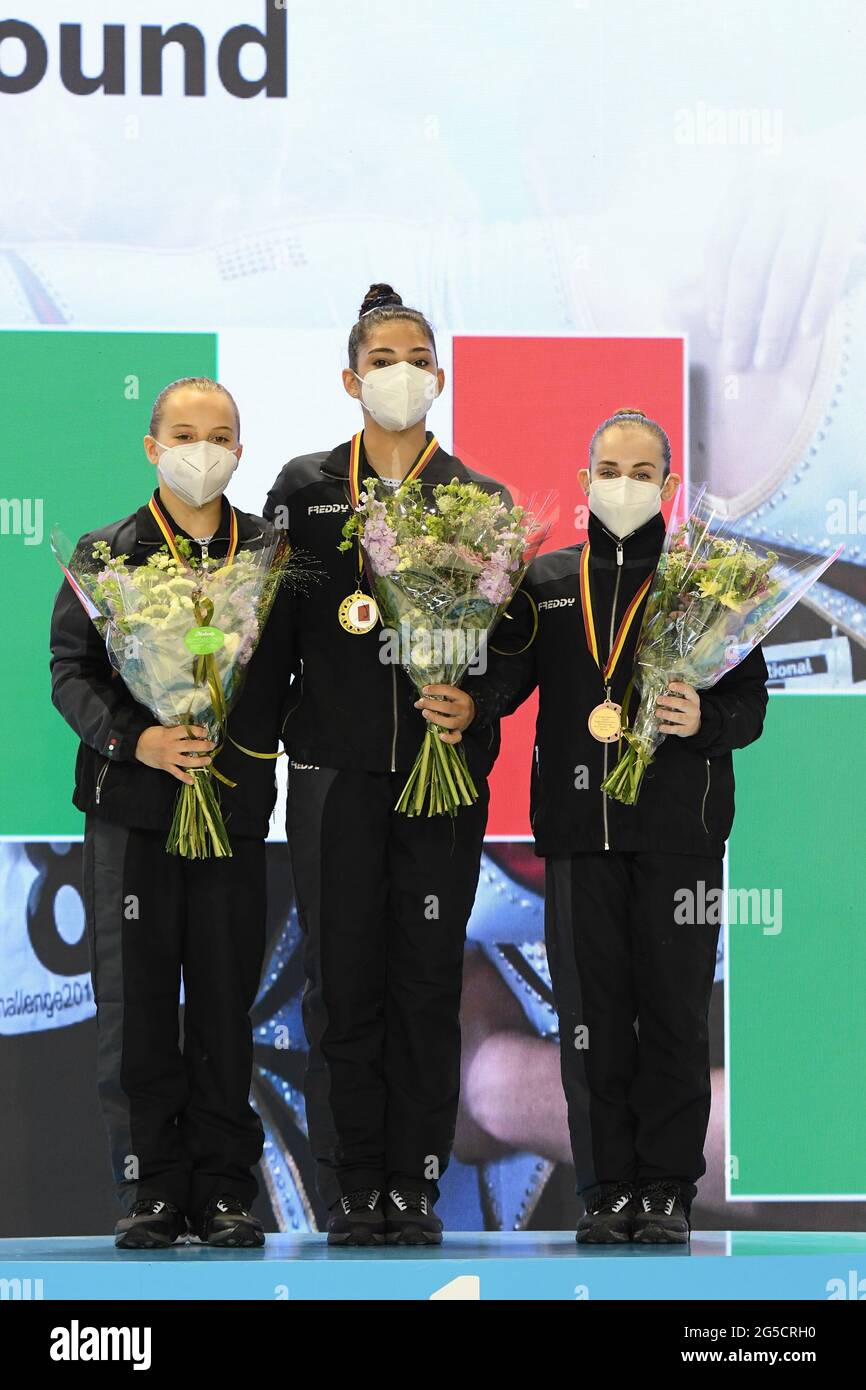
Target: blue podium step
[{"x": 489, "y": 1265}]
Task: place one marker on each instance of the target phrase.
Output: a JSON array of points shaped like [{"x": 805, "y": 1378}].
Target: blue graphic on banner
[{"x": 44, "y": 969}]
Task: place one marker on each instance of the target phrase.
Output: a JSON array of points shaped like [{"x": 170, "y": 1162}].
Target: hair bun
[
  {"x": 629, "y": 410},
  {"x": 377, "y": 296}
]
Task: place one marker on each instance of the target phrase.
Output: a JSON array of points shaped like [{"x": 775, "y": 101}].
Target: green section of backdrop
[
  {"x": 797, "y": 1017},
  {"x": 75, "y": 409}
]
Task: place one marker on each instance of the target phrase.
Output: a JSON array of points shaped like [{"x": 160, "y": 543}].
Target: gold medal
[
  {"x": 358, "y": 613},
  {"x": 605, "y": 721}
]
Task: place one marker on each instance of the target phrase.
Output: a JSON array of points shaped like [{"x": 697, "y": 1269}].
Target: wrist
[{"x": 137, "y": 742}]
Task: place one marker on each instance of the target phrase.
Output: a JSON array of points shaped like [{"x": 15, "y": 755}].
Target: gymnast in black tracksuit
[
  {"x": 184, "y": 1138},
  {"x": 383, "y": 899},
  {"x": 638, "y": 1105}
]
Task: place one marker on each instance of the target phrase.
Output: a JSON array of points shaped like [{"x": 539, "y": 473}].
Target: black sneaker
[
  {"x": 226, "y": 1222},
  {"x": 609, "y": 1215},
  {"x": 661, "y": 1217},
  {"x": 151, "y": 1225},
  {"x": 410, "y": 1218},
  {"x": 357, "y": 1219}
]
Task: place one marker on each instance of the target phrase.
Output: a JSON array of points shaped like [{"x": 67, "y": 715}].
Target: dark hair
[
  {"x": 199, "y": 383},
  {"x": 382, "y": 304},
  {"x": 630, "y": 415}
]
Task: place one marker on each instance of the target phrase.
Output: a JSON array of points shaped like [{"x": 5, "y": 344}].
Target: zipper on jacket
[
  {"x": 706, "y": 794},
  {"x": 101, "y": 778},
  {"x": 347, "y": 494},
  {"x": 607, "y": 691},
  {"x": 394, "y": 699},
  {"x": 618, "y": 541},
  {"x": 242, "y": 544},
  {"x": 604, "y": 801},
  {"x": 534, "y": 813}
]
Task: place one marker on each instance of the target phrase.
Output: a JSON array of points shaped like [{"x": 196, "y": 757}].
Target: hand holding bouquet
[
  {"x": 180, "y": 631},
  {"x": 443, "y": 570},
  {"x": 714, "y": 597}
]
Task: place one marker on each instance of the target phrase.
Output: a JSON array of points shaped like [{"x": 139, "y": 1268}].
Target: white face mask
[
  {"x": 623, "y": 504},
  {"x": 398, "y": 396},
  {"x": 197, "y": 473}
]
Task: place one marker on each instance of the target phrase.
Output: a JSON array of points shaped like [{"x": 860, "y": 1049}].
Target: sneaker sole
[
  {"x": 660, "y": 1235},
  {"x": 356, "y": 1238},
  {"x": 603, "y": 1237},
  {"x": 237, "y": 1239},
  {"x": 414, "y": 1235},
  {"x": 128, "y": 1241}
]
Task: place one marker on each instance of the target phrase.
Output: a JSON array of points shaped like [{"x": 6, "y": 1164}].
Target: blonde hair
[{"x": 198, "y": 383}]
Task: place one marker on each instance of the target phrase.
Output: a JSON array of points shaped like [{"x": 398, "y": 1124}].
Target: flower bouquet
[
  {"x": 443, "y": 568},
  {"x": 180, "y": 631},
  {"x": 714, "y": 597}
]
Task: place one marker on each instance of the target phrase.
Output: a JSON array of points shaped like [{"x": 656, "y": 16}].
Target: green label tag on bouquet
[{"x": 202, "y": 641}]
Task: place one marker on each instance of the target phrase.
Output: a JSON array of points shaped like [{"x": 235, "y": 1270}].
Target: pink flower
[
  {"x": 494, "y": 586},
  {"x": 379, "y": 539},
  {"x": 494, "y": 583}
]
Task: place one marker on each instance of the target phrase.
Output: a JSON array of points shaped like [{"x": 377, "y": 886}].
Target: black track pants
[
  {"x": 638, "y": 1097},
  {"x": 383, "y": 901},
  {"x": 180, "y": 1124}
]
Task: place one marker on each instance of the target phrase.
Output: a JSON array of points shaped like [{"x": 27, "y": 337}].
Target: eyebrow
[
  {"x": 180, "y": 426},
  {"x": 371, "y": 351},
  {"x": 612, "y": 463}
]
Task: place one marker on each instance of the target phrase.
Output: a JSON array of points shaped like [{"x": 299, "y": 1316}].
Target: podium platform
[{"x": 473, "y": 1266}]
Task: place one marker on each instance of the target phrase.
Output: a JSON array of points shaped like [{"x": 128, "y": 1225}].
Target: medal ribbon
[
  {"x": 589, "y": 620},
  {"x": 355, "y": 465},
  {"x": 168, "y": 534},
  {"x": 355, "y": 477}
]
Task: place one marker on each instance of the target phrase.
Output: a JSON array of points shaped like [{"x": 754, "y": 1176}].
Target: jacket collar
[
  {"x": 336, "y": 465},
  {"x": 639, "y": 547},
  {"x": 148, "y": 533}
]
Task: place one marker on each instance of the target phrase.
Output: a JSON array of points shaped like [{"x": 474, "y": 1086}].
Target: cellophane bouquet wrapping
[
  {"x": 443, "y": 565},
  {"x": 180, "y": 634},
  {"x": 714, "y": 597}
]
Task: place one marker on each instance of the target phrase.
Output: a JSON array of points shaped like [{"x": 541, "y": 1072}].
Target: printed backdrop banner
[{"x": 210, "y": 188}]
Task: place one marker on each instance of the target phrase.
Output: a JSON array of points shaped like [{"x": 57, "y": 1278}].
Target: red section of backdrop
[{"x": 524, "y": 412}]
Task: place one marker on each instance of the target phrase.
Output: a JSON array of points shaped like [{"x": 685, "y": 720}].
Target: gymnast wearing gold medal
[
  {"x": 638, "y": 1101},
  {"x": 383, "y": 899}
]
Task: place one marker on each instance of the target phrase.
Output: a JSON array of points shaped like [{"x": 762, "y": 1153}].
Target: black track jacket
[
  {"x": 686, "y": 803},
  {"x": 353, "y": 712}
]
